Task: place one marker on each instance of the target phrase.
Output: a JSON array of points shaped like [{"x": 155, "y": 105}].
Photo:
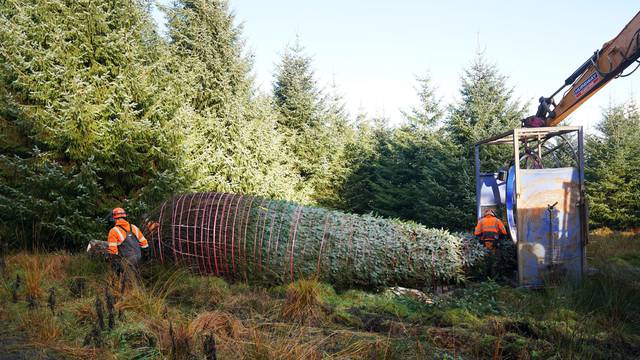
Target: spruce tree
[
  {"x": 612, "y": 167},
  {"x": 486, "y": 108},
  {"x": 315, "y": 125},
  {"x": 361, "y": 156},
  {"x": 82, "y": 85},
  {"x": 339, "y": 135},
  {"x": 429, "y": 113},
  {"x": 413, "y": 172},
  {"x": 231, "y": 138},
  {"x": 274, "y": 242}
]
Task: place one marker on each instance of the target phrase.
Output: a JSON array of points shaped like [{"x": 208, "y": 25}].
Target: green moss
[
  {"x": 460, "y": 317},
  {"x": 563, "y": 314},
  {"x": 346, "y": 318},
  {"x": 487, "y": 342},
  {"x": 517, "y": 347},
  {"x": 199, "y": 292}
]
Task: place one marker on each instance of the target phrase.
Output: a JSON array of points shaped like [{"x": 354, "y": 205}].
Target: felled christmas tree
[{"x": 270, "y": 241}]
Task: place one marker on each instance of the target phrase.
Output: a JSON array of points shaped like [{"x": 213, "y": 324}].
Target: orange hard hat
[
  {"x": 489, "y": 212},
  {"x": 118, "y": 213}
]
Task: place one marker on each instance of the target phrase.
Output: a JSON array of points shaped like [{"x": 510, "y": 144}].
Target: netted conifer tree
[{"x": 270, "y": 241}]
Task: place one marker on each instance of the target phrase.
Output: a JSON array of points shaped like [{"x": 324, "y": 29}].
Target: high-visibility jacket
[
  {"x": 489, "y": 229},
  {"x": 118, "y": 233}
]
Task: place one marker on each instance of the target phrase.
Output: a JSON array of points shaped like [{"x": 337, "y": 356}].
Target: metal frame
[
  {"x": 519, "y": 136},
  {"x": 522, "y": 135}
]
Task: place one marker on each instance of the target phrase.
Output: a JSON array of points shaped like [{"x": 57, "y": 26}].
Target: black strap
[{"x": 127, "y": 232}]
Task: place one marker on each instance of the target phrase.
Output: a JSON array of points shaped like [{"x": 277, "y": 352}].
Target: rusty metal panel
[{"x": 550, "y": 244}]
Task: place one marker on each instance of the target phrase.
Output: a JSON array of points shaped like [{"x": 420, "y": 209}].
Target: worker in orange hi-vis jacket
[
  {"x": 126, "y": 239},
  {"x": 489, "y": 230}
]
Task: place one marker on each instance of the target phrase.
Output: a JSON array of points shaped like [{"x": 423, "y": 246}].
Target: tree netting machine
[{"x": 540, "y": 191}]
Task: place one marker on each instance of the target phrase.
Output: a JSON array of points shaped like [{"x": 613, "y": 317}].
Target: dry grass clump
[
  {"x": 374, "y": 348},
  {"x": 174, "y": 339},
  {"x": 41, "y": 327},
  {"x": 55, "y": 265},
  {"x": 142, "y": 302},
  {"x": 147, "y": 302},
  {"x": 219, "y": 323},
  {"x": 19, "y": 260},
  {"x": 274, "y": 345},
  {"x": 250, "y": 304},
  {"x": 603, "y": 231},
  {"x": 302, "y": 303},
  {"x": 33, "y": 278},
  {"x": 84, "y": 311},
  {"x": 37, "y": 268}
]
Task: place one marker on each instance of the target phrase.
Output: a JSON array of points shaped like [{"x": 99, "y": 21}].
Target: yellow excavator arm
[{"x": 603, "y": 66}]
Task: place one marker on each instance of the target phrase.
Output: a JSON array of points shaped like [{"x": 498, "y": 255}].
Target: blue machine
[{"x": 544, "y": 206}]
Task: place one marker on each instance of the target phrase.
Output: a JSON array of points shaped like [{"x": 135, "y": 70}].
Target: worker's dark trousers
[{"x": 491, "y": 265}]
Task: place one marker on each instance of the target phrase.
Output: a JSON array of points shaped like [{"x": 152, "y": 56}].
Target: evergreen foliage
[
  {"x": 414, "y": 172},
  {"x": 231, "y": 140},
  {"x": 81, "y": 81},
  {"x": 612, "y": 167},
  {"x": 429, "y": 113},
  {"x": 314, "y": 124},
  {"x": 485, "y": 108},
  {"x": 44, "y": 205}
]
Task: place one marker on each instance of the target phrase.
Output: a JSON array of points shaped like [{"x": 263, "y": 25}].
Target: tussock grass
[
  {"x": 19, "y": 260},
  {"x": 83, "y": 311},
  {"x": 52, "y": 265},
  {"x": 303, "y": 303},
  {"x": 33, "y": 279},
  {"x": 174, "y": 338},
  {"x": 148, "y": 302},
  {"x": 41, "y": 327},
  {"x": 294, "y": 343},
  {"x": 219, "y": 323},
  {"x": 134, "y": 340},
  {"x": 55, "y": 265}
]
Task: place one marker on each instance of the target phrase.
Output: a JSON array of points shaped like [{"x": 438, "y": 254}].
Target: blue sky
[{"x": 373, "y": 50}]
